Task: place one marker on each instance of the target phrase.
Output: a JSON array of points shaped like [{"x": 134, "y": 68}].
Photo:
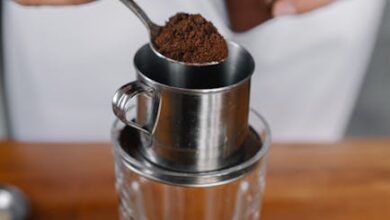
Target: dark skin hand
[{"x": 243, "y": 15}]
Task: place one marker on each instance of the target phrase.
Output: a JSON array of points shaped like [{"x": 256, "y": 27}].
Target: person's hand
[
  {"x": 244, "y": 15},
  {"x": 291, "y": 7},
  {"x": 52, "y": 2}
]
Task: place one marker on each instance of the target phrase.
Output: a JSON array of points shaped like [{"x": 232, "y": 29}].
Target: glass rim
[{"x": 201, "y": 179}]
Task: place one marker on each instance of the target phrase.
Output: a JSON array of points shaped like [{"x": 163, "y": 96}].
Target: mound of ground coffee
[{"x": 191, "y": 38}]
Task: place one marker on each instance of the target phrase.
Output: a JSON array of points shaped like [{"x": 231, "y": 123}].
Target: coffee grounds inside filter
[{"x": 190, "y": 38}]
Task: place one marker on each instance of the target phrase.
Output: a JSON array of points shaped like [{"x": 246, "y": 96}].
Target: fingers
[
  {"x": 290, "y": 7},
  {"x": 52, "y": 2}
]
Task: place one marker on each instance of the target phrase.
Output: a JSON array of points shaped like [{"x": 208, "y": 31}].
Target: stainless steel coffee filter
[{"x": 190, "y": 118}]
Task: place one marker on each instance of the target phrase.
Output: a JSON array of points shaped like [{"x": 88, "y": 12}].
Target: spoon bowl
[{"x": 154, "y": 31}]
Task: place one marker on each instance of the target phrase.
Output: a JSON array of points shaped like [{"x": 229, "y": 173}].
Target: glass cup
[{"x": 150, "y": 192}]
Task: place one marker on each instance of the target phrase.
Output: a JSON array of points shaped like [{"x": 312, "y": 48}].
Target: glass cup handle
[{"x": 127, "y": 92}]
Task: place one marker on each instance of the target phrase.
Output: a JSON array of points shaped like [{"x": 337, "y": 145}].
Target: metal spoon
[
  {"x": 13, "y": 203},
  {"x": 154, "y": 30}
]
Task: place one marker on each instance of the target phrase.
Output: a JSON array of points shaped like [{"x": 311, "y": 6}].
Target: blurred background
[{"x": 320, "y": 76}]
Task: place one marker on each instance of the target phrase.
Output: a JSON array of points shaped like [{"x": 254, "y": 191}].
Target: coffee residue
[{"x": 191, "y": 38}]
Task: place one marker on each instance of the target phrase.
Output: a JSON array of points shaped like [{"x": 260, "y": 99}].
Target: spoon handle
[{"x": 150, "y": 25}]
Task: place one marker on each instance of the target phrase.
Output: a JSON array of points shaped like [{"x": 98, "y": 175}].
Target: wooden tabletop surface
[{"x": 349, "y": 180}]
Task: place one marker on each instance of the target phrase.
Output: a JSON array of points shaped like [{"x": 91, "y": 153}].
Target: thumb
[{"x": 290, "y": 7}]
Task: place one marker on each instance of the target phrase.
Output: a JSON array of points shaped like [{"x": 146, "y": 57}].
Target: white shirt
[{"x": 63, "y": 64}]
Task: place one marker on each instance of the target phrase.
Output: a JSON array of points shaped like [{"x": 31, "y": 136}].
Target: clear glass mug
[{"x": 149, "y": 192}]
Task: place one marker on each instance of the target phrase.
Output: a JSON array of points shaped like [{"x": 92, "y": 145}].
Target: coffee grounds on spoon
[{"x": 190, "y": 38}]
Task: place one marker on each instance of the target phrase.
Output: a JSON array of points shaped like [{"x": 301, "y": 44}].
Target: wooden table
[{"x": 349, "y": 180}]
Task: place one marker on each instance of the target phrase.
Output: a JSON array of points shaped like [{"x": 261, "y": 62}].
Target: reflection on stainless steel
[
  {"x": 13, "y": 204},
  {"x": 190, "y": 118}
]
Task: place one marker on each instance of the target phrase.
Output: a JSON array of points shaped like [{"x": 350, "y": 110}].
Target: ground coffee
[{"x": 191, "y": 38}]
